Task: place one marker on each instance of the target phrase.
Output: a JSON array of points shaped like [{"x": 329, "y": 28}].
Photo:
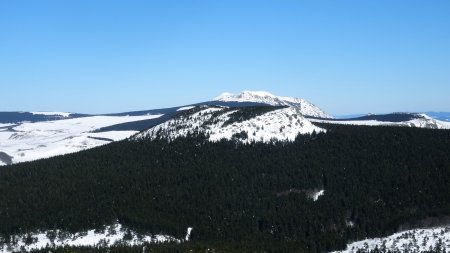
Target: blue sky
[{"x": 109, "y": 56}]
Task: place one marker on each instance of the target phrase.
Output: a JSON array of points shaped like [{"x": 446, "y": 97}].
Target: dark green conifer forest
[{"x": 239, "y": 198}]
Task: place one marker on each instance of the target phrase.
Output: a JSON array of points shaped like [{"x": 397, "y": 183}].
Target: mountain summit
[{"x": 306, "y": 108}]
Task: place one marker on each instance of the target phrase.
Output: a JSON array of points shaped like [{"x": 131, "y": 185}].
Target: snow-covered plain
[
  {"x": 109, "y": 236},
  {"x": 417, "y": 240},
  {"x": 32, "y": 141},
  {"x": 280, "y": 124},
  {"x": 423, "y": 121},
  {"x": 305, "y": 107}
]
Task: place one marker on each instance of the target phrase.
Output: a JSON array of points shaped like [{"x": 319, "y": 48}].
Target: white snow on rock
[
  {"x": 109, "y": 236},
  {"x": 422, "y": 121},
  {"x": 63, "y": 114},
  {"x": 32, "y": 141},
  {"x": 417, "y": 240},
  {"x": 306, "y": 108},
  {"x": 282, "y": 124}
]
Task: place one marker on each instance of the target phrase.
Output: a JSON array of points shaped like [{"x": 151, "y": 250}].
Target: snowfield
[
  {"x": 417, "y": 240},
  {"x": 305, "y": 107},
  {"x": 280, "y": 124},
  {"x": 109, "y": 236},
  {"x": 32, "y": 141}
]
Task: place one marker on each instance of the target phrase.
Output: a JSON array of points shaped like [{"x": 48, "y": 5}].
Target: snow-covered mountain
[
  {"x": 245, "y": 124},
  {"x": 27, "y": 136},
  {"x": 262, "y": 97},
  {"x": 394, "y": 119}
]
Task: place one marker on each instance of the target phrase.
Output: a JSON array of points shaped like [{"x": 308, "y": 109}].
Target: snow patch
[
  {"x": 109, "y": 236},
  {"x": 317, "y": 194},
  {"x": 185, "y": 108},
  {"x": 416, "y": 240},
  {"x": 188, "y": 233}
]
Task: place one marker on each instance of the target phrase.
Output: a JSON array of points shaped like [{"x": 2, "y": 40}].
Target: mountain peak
[{"x": 264, "y": 97}]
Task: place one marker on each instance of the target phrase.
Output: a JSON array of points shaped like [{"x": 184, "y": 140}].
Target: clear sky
[{"x": 110, "y": 56}]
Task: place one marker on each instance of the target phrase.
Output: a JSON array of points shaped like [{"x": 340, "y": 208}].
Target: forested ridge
[{"x": 377, "y": 178}]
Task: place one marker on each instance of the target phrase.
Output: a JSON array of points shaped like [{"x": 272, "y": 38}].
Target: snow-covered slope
[
  {"x": 246, "y": 124},
  {"x": 417, "y": 240},
  {"x": 31, "y": 141},
  {"x": 416, "y": 120},
  {"x": 111, "y": 235},
  {"x": 305, "y": 107}
]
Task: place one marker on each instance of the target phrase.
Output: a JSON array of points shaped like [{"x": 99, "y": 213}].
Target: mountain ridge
[
  {"x": 26, "y": 136},
  {"x": 244, "y": 124}
]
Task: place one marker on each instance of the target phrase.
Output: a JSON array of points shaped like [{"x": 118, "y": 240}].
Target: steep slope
[
  {"x": 305, "y": 107},
  {"x": 246, "y": 124}
]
